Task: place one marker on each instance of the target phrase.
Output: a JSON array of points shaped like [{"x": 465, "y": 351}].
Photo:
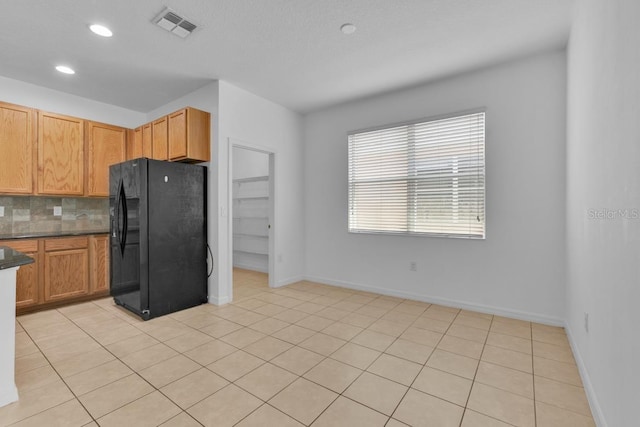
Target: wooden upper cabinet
[
  {"x": 17, "y": 150},
  {"x": 183, "y": 136},
  {"x": 60, "y": 155},
  {"x": 106, "y": 146},
  {"x": 159, "y": 139},
  {"x": 139, "y": 143},
  {"x": 134, "y": 143},
  {"x": 147, "y": 140},
  {"x": 189, "y": 135}
]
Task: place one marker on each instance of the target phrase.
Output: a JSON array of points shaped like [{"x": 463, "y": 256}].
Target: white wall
[
  {"x": 29, "y": 95},
  {"x": 519, "y": 269},
  {"x": 249, "y": 163},
  {"x": 243, "y": 117},
  {"x": 603, "y": 172},
  {"x": 254, "y": 121}
]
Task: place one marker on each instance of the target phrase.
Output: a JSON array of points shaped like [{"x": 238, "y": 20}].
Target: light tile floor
[{"x": 304, "y": 354}]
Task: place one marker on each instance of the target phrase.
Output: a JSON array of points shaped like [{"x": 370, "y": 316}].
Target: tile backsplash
[{"x": 34, "y": 214}]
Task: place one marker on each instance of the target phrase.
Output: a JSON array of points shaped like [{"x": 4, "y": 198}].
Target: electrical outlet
[
  {"x": 57, "y": 211},
  {"x": 413, "y": 266},
  {"x": 1, "y": 211},
  {"x": 586, "y": 322},
  {"x": 279, "y": 257}
]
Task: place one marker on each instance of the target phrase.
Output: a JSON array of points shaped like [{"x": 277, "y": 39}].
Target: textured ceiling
[{"x": 289, "y": 51}]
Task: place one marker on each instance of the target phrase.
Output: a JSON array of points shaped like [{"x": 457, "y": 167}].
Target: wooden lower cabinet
[
  {"x": 66, "y": 274},
  {"x": 27, "y": 276},
  {"x": 27, "y": 282},
  {"x": 66, "y": 269},
  {"x": 99, "y": 257}
]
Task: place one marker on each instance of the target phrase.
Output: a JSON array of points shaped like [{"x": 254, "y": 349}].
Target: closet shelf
[
  {"x": 262, "y": 236},
  {"x": 251, "y": 198},
  {"x": 251, "y": 217},
  {"x": 252, "y": 179},
  {"x": 250, "y": 252},
  {"x": 251, "y": 201}
]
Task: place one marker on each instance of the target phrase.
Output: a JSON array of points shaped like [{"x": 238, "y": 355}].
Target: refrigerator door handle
[
  {"x": 116, "y": 214},
  {"x": 121, "y": 202},
  {"x": 125, "y": 222}
]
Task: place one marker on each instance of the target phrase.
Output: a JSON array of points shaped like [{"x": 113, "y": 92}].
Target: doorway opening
[{"x": 252, "y": 201}]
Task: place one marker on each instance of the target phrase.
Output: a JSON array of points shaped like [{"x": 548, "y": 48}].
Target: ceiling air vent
[{"x": 174, "y": 23}]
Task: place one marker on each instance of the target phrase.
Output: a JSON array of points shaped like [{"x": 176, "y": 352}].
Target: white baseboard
[
  {"x": 8, "y": 394},
  {"x": 288, "y": 281},
  {"x": 516, "y": 314},
  {"x": 252, "y": 267},
  {"x": 218, "y": 300},
  {"x": 596, "y": 409}
]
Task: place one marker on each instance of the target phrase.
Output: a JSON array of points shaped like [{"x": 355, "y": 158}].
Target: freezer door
[
  {"x": 177, "y": 236},
  {"x": 124, "y": 210}
]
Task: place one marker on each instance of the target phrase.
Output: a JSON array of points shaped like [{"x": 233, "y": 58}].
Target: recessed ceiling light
[
  {"x": 64, "y": 69},
  {"x": 348, "y": 28},
  {"x": 101, "y": 30}
]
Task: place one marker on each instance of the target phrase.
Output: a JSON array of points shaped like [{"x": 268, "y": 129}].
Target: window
[{"x": 420, "y": 178}]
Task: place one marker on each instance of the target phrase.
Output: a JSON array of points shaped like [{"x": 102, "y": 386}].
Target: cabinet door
[
  {"x": 66, "y": 274},
  {"x": 17, "y": 148},
  {"x": 99, "y": 254},
  {"x": 147, "y": 142},
  {"x": 106, "y": 146},
  {"x": 66, "y": 268},
  {"x": 60, "y": 155},
  {"x": 27, "y": 283},
  {"x": 134, "y": 144},
  {"x": 139, "y": 142},
  {"x": 178, "y": 134},
  {"x": 189, "y": 135},
  {"x": 159, "y": 137}
]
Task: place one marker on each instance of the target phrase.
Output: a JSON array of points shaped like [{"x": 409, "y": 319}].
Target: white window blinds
[{"x": 422, "y": 178}]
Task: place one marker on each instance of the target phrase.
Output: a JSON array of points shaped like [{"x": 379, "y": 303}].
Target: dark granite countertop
[
  {"x": 42, "y": 234},
  {"x": 10, "y": 258}
]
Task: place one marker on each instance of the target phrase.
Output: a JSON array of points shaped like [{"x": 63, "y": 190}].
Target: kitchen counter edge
[
  {"x": 45, "y": 234},
  {"x": 11, "y": 258}
]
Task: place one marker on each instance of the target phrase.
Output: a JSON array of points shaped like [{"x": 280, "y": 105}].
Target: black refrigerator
[{"x": 158, "y": 237}]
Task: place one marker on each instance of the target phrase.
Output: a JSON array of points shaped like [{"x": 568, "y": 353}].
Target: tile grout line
[
  {"x": 249, "y": 372},
  {"x": 425, "y": 362},
  {"x": 325, "y": 358},
  {"x": 473, "y": 381},
  {"x": 331, "y": 299},
  {"x": 154, "y": 387},
  {"x": 134, "y": 371},
  {"x": 75, "y": 397},
  {"x": 116, "y": 358},
  {"x": 354, "y": 380},
  {"x": 298, "y": 376},
  {"x": 533, "y": 379},
  {"x": 451, "y": 324}
]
